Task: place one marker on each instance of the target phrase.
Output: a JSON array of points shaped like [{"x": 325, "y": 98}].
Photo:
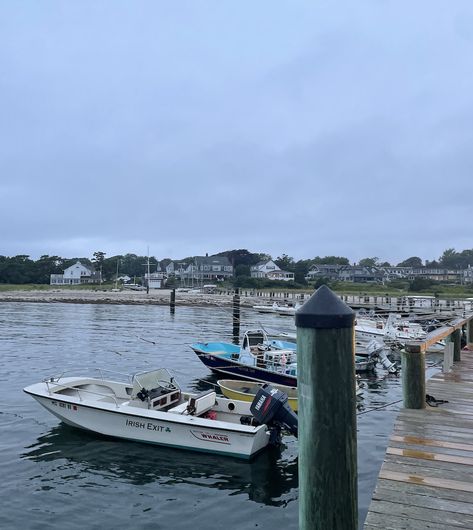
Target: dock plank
[{"x": 426, "y": 480}]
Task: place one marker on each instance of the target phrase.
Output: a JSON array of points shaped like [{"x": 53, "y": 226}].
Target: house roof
[{"x": 212, "y": 260}]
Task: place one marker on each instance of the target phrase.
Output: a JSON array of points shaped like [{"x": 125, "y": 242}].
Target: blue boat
[
  {"x": 260, "y": 359},
  {"x": 270, "y": 366}
]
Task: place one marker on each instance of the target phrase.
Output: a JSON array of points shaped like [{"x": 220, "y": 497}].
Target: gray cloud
[{"x": 310, "y": 129}]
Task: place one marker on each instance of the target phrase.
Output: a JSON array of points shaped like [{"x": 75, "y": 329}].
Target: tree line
[{"x": 22, "y": 269}]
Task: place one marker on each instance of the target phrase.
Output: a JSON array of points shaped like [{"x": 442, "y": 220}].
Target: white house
[
  {"x": 155, "y": 280},
  {"x": 75, "y": 275},
  {"x": 269, "y": 269},
  {"x": 261, "y": 269},
  {"x": 202, "y": 268}
]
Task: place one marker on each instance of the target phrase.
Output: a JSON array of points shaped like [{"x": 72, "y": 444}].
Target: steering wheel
[{"x": 167, "y": 385}]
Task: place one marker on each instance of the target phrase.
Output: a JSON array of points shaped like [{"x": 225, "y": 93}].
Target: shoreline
[{"x": 155, "y": 297}]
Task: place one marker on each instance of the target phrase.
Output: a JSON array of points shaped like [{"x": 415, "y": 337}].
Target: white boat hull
[{"x": 121, "y": 420}]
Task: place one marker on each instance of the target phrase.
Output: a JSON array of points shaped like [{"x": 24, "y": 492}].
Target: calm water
[{"x": 56, "y": 477}]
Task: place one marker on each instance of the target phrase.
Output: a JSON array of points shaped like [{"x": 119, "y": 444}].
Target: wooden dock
[{"x": 426, "y": 480}]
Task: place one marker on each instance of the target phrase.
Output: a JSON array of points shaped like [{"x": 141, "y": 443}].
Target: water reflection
[
  {"x": 208, "y": 382},
  {"x": 266, "y": 480}
]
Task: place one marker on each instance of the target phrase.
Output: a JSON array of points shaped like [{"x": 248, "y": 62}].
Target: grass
[{"x": 343, "y": 288}]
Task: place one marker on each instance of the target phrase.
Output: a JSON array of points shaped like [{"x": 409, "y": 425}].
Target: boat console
[{"x": 155, "y": 388}]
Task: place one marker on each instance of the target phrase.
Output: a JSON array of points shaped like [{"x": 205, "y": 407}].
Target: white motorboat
[
  {"x": 393, "y": 329},
  {"x": 151, "y": 408},
  {"x": 267, "y": 308},
  {"x": 289, "y": 311}
]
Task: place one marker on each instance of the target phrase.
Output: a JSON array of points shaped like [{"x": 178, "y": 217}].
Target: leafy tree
[
  {"x": 432, "y": 264},
  {"x": 285, "y": 262},
  {"x": 45, "y": 266},
  {"x": 464, "y": 259},
  {"x": 330, "y": 260},
  {"x": 18, "y": 269},
  {"x": 98, "y": 258},
  {"x": 301, "y": 269},
  {"x": 242, "y": 270},
  {"x": 411, "y": 262},
  {"x": 171, "y": 282},
  {"x": 243, "y": 257},
  {"x": 449, "y": 259},
  {"x": 369, "y": 262}
]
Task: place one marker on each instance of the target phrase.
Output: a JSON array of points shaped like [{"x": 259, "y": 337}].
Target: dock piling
[
  {"x": 456, "y": 339},
  {"x": 328, "y": 496},
  {"x": 469, "y": 334},
  {"x": 172, "y": 302},
  {"x": 413, "y": 377},
  {"x": 236, "y": 317}
]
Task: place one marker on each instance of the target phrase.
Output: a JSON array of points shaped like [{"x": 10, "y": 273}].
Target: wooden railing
[{"x": 413, "y": 358}]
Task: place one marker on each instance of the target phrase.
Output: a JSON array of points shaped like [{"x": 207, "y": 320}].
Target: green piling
[
  {"x": 328, "y": 495},
  {"x": 413, "y": 377},
  {"x": 469, "y": 334},
  {"x": 456, "y": 339}
]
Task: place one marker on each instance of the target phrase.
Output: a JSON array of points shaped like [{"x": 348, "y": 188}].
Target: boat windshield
[{"x": 152, "y": 379}]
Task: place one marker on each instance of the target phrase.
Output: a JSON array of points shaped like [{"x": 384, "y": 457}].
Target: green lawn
[{"x": 443, "y": 291}]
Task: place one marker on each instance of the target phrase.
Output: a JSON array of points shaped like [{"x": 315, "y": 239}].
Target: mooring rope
[{"x": 379, "y": 408}]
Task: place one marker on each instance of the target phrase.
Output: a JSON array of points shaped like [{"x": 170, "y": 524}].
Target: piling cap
[{"x": 325, "y": 310}]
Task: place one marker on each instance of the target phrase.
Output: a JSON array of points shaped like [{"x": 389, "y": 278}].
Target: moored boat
[
  {"x": 267, "y": 308},
  {"x": 151, "y": 408},
  {"x": 247, "y": 390},
  {"x": 271, "y": 361}
]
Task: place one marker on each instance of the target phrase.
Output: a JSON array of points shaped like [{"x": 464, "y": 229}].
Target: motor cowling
[{"x": 270, "y": 407}]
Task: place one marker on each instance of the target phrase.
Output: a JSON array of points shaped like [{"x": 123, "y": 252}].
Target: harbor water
[{"x": 57, "y": 477}]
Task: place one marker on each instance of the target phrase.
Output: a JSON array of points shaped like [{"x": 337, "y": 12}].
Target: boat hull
[
  {"x": 247, "y": 391},
  {"x": 222, "y": 365},
  {"x": 154, "y": 427}
]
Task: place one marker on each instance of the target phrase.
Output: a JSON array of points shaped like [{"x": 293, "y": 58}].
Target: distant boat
[
  {"x": 275, "y": 308},
  {"x": 267, "y": 308},
  {"x": 288, "y": 311}
]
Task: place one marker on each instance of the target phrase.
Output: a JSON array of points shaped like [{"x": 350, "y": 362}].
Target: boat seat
[
  {"x": 201, "y": 403},
  {"x": 179, "y": 409}
]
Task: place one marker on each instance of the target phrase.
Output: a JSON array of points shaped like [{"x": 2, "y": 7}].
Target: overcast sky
[{"x": 190, "y": 127}]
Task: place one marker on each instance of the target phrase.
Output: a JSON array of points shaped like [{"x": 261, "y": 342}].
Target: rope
[
  {"x": 379, "y": 408},
  {"x": 433, "y": 402}
]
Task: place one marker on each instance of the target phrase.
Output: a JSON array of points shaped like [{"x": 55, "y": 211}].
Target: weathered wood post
[
  {"x": 456, "y": 339},
  {"x": 328, "y": 495},
  {"x": 413, "y": 376},
  {"x": 448, "y": 355},
  {"x": 469, "y": 334},
  {"x": 172, "y": 302},
  {"x": 236, "y": 317}
]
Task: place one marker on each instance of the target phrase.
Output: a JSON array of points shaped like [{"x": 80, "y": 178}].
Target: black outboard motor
[{"x": 270, "y": 407}]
